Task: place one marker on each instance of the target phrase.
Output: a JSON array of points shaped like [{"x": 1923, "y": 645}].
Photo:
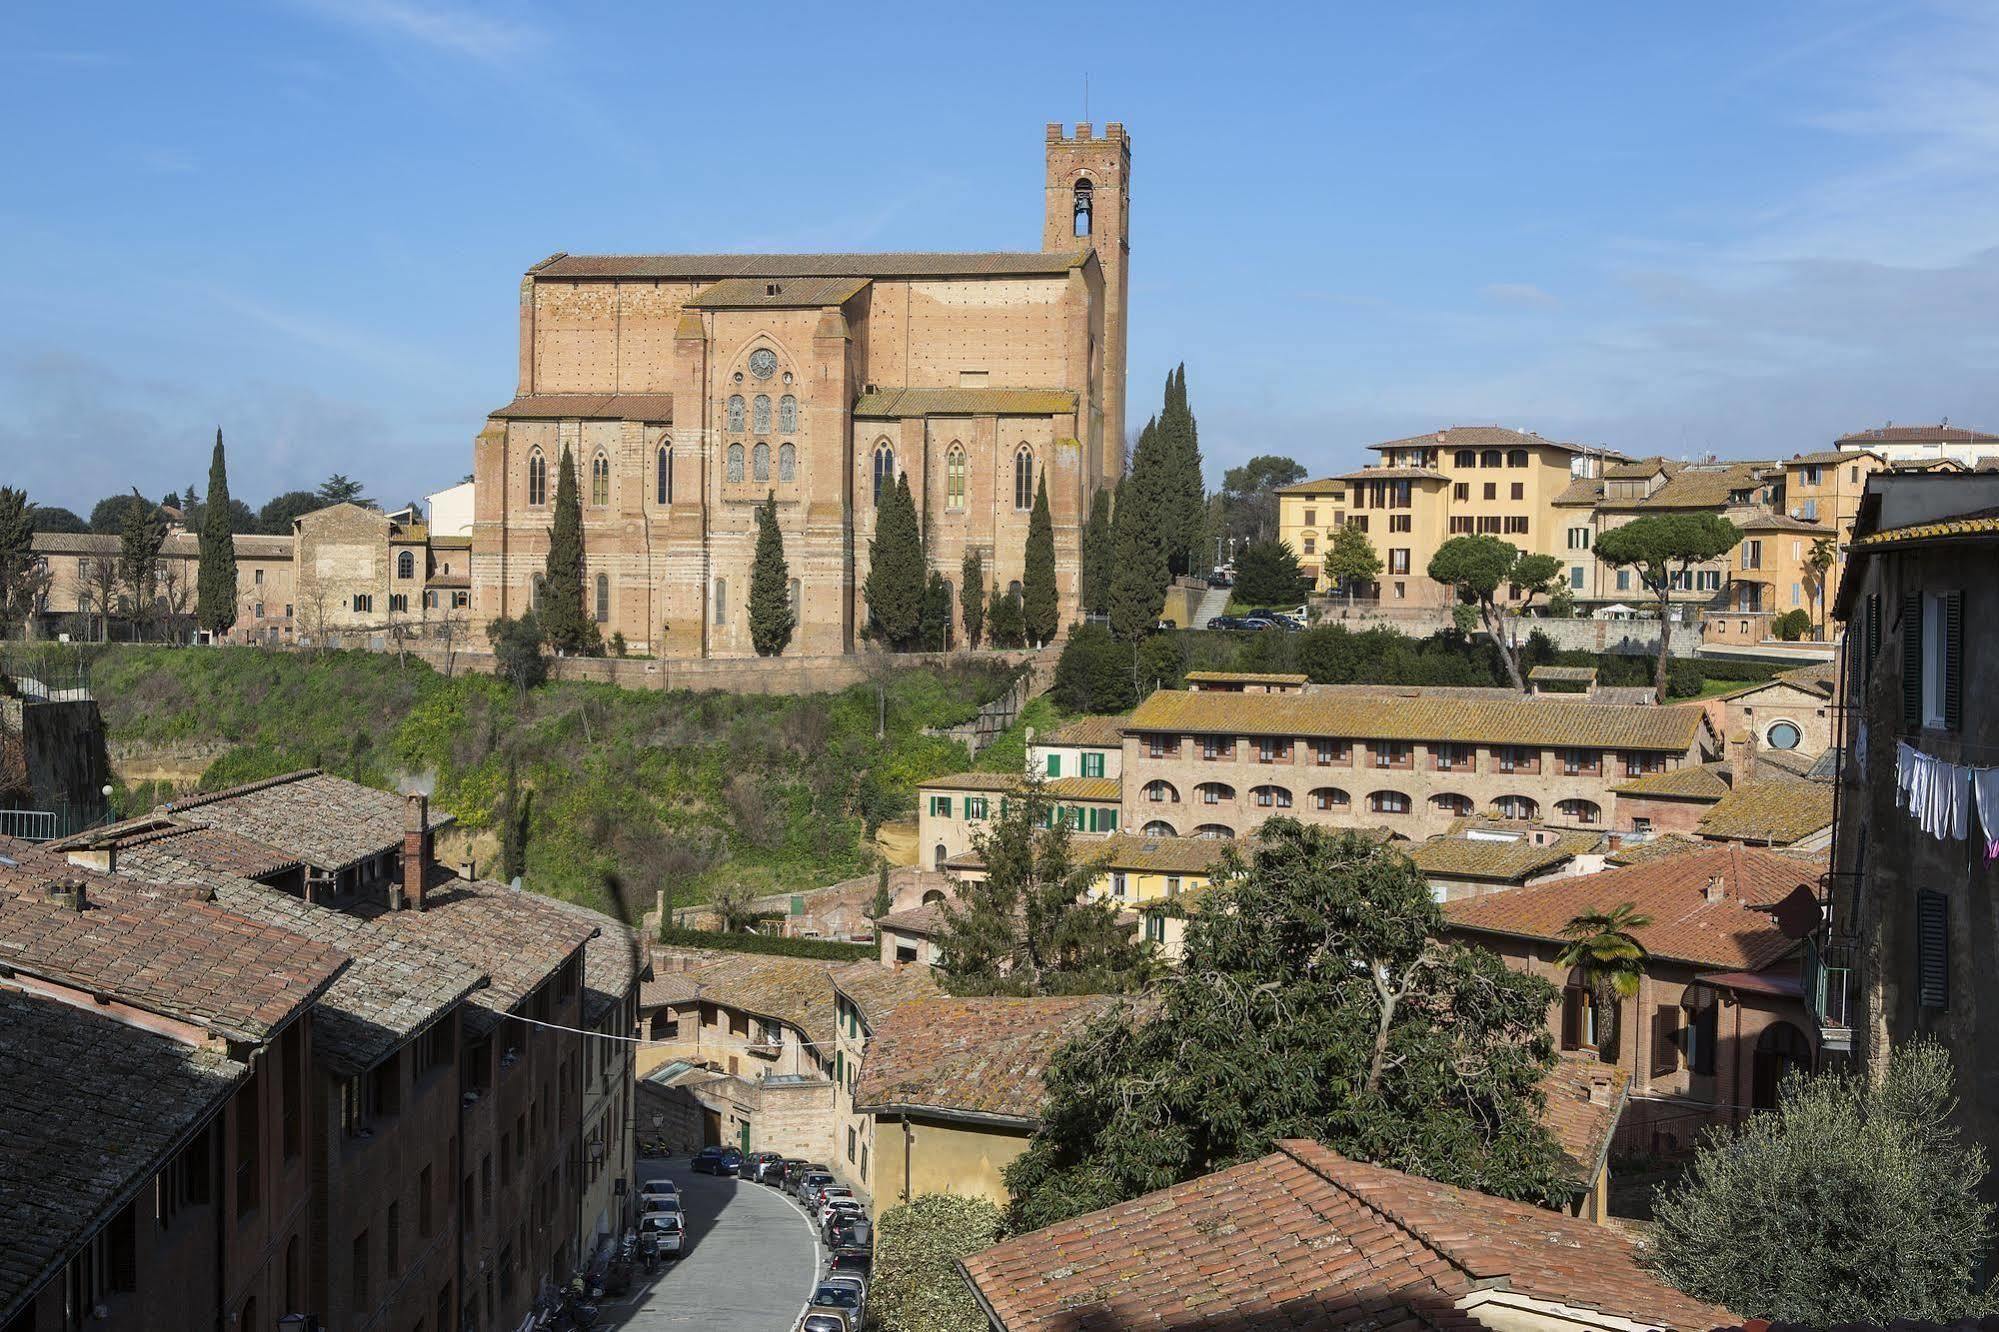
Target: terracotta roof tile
[
  {"x": 1914, "y": 434},
  {"x": 1702, "y": 487},
  {"x": 90, "y": 1110},
  {"x": 1740, "y": 931},
  {"x": 160, "y": 952},
  {"x": 1382, "y": 472},
  {"x": 588, "y": 407},
  {"x": 1779, "y": 812},
  {"x": 326, "y": 821},
  {"x": 1695, "y": 781},
  {"x": 1492, "y": 436},
  {"x": 1304, "y": 1238},
  {"x": 1583, "y": 490},
  {"x": 1245, "y": 677},
  {"x": 981, "y": 1056},
  {"x": 1496, "y": 858},
  {"x": 985, "y": 263},
  {"x": 879, "y": 991},
  {"x": 796, "y": 991},
  {"x": 926, "y": 920},
  {"x": 1582, "y": 1098},
  {"x": 756, "y": 293},
  {"x": 1545, "y": 722},
  {"x": 1161, "y": 855},
  {"x": 1564, "y": 674},
  {"x": 1984, "y": 522},
  {"x": 1087, "y": 732},
  {"x": 1055, "y": 788}
]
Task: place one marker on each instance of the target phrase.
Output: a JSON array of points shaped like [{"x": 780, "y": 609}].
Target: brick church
[{"x": 687, "y": 387}]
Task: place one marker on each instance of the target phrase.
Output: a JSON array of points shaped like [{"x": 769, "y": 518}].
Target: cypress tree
[
  {"x": 770, "y": 585},
  {"x": 894, "y": 587},
  {"x": 1138, "y": 553},
  {"x": 563, "y": 622},
  {"x": 1039, "y": 602},
  {"x": 935, "y": 634},
  {"x": 1096, "y": 589},
  {"x": 972, "y": 577},
  {"x": 215, "y": 584},
  {"x": 1182, "y": 494}
]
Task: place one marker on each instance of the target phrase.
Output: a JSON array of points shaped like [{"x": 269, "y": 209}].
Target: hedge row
[{"x": 826, "y": 950}]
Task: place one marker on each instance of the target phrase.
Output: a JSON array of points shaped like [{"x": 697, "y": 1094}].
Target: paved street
[{"x": 750, "y": 1263}]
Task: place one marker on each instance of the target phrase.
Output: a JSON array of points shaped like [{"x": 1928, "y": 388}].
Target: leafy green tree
[
  {"x": 1267, "y": 574},
  {"x": 139, "y": 543},
  {"x": 1027, "y": 928},
  {"x": 1139, "y": 573},
  {"x": 54, "y": 518},
  {"x": 1314, "y": 1000},
  {"x": 17, "y": 557},
  {"x": 565, "y": 625},
  {"x": 514, "y": 816},
  {"x": 1162, "y": 663},
  {"x": 1351, "y": 560},
  {"x": 883, "y": 900},
  {"x": 1478, "y": 567},
  {"x": 107, "y": 516},
  {"x": 1612, "y": 961},
  {"x": 517, "y": 651},
  {"x": 1249, "y": 496},
  {"x": 916, "y": 1286},
  {"x": 894, "y": 586},
  {"x": 1824, "y": 554},
  {"x": 1039, "y": 602},
  {"x": 275, "y": 518},
  {"x": 1851, "y": 1203},
  {"x": 1097, "y": 556},
  {"x": 1659, "y": 546},
  {"x": 1006, "y": 626},
  {"x": 770, "y": 585},
  {"x": 1792, "y": 625},
  {"x": 972, "y": 578},
  {"x": 1182, "y": 497},
  {"x": 215, "y": 585},
  {"x": 1094, "y": 673},
  {"x": 936, "y": 632},
  {"x": 339, "y": 489}
]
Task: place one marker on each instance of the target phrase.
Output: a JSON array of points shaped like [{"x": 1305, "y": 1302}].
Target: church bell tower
[{"x": 1088, "y": 202}]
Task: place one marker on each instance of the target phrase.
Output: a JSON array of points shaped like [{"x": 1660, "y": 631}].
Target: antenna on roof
[{"x": 1086, "y": 96}]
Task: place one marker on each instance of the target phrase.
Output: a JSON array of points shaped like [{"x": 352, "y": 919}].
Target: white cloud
[
  {"x": 453, "y": 29},
  {"x": 1518, "y": 293}
]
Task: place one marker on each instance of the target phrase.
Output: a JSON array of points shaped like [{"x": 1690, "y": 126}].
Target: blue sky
[{"x": 1684, "y": 228}]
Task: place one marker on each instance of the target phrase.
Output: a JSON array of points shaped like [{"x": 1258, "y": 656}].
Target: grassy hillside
[{"x": 685, "y": 791}]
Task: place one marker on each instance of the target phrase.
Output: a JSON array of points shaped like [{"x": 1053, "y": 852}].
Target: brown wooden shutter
[
  {"x": 1953, "y": 657},
  {"x": 1932, "y": 950},
  {"x": 1873, "y": 636},
  {"x": 1665, "y": 1040},
  {"x": 1912, "y": 663},
  {"x": 1572, "y": 1019}
]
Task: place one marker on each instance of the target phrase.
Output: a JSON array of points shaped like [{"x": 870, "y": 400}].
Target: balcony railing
[{"x": 29, "y": 825}]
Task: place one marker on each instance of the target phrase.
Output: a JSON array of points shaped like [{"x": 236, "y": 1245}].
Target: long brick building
[{"x": 687, "y": 388}]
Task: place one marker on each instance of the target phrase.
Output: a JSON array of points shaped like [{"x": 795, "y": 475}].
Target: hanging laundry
[{"x": 1985, "y": 783}]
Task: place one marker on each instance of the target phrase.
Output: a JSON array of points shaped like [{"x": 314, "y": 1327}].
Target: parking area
[{"x": 750, "y": 1263}]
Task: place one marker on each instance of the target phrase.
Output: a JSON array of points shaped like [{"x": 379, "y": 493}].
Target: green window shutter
[
  {"x": 839, "y": 1067},
  {"x": 1953, "y": 660},
  {"x": 1912, "y": 662},
  {"x": 1110, "y": 820},
  {"x": 1054, "y": 765},
  {"x": 1932, "y": 950}
]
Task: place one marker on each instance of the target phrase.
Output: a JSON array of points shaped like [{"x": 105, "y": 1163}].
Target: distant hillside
[{"x": 682, "y": 790}]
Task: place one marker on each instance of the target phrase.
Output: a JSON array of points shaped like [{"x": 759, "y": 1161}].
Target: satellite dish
[{"x": 516, "y": 884}]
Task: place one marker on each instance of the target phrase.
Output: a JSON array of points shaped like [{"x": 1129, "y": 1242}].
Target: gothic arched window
[
  {"x": 600, "y": 480},
  {"x": 787, "y": 462},
  {"x": 760, "y": 462},
  {"x": 787, "y": 414},
  {"x": 954, "y": 478},
  {"x": 1023, "y": 478},
  {"x": 1085, "y": 197},
  {"x": 663, "y": 483},
  {"x": 884, "y": 468},
  {"x": 735, "y": 462},
  {"x": 537, "y": 478},
  {"x": 603, "y": 598},
  {"x": 760, "y": 414},
  {"x": 735, "y": 411}
]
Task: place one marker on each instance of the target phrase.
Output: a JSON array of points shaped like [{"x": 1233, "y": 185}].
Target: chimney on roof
[
  {"x": 69, "y": 893},
  {"x": 1714, "y": 891},
  {"x": 416, "y": 849},
  {"x": 1599, "y": 1090},
  {"x": 103, "y": 859}
]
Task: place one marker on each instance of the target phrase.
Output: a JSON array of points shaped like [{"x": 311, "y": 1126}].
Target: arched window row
[
  {"x": 736, "y": 412},
  {"x": 1215, "y": 832},
  {"x": 1214, "y": 793},
  {"x": 1516, "y": 807},
  {"x": 787, "y": 414},
  {"x": 1388, "y": 802},
  {"x": 787, "y": 462},
  {"x": 1159, "y": 828},
  {"x": 1162, "y": 793},
  {"x": 735, "y": 472},
  {"x": 1457, "y": 806},
  {"x": 600, "y": 479},
  {"x": 760, "y": 462},
  {"x": 1330, "y": 797},
  {"x": 1582, "y": 811},
  {"x": 760, "y": 414}
]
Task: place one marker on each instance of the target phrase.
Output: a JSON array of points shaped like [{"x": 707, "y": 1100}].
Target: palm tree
[
  {"x": 1611, "y": 959},
  {"x": 1824, "y": 551}
]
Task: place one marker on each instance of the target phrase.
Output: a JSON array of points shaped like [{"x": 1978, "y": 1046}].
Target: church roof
[
  {"x": 756, "y": 293},
  {"x": 588, "y": 407},
  {"x": 986, "y": 263},
  {"x": 966, "y": 402}
]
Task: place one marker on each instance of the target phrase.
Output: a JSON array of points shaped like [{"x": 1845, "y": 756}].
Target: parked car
[
  {"x": 718, "y": 1161},
  {"x": 796, "y": 1179},
  {"x": 833, "y": 1214},
  {"x": 828, "y": 1194},
  {"x": 670, "y": 1227},
  {"x": 757, "y": 1163},
  {"x": 851, "y": 1258},
  {"x": 841, "y": 1295},
  {"x": 829, "y": 1319},
  {"x": 855, "y": 1234},
  {"x": 658, "y": 1188},
  {"x": 1269, "y": 620},
  {"x": 1221, "y": 578},
  {"x": 810, "y": 1184},
  {"x": 851, "y": 1281},
  {"x": 780, "y": 1170}
]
